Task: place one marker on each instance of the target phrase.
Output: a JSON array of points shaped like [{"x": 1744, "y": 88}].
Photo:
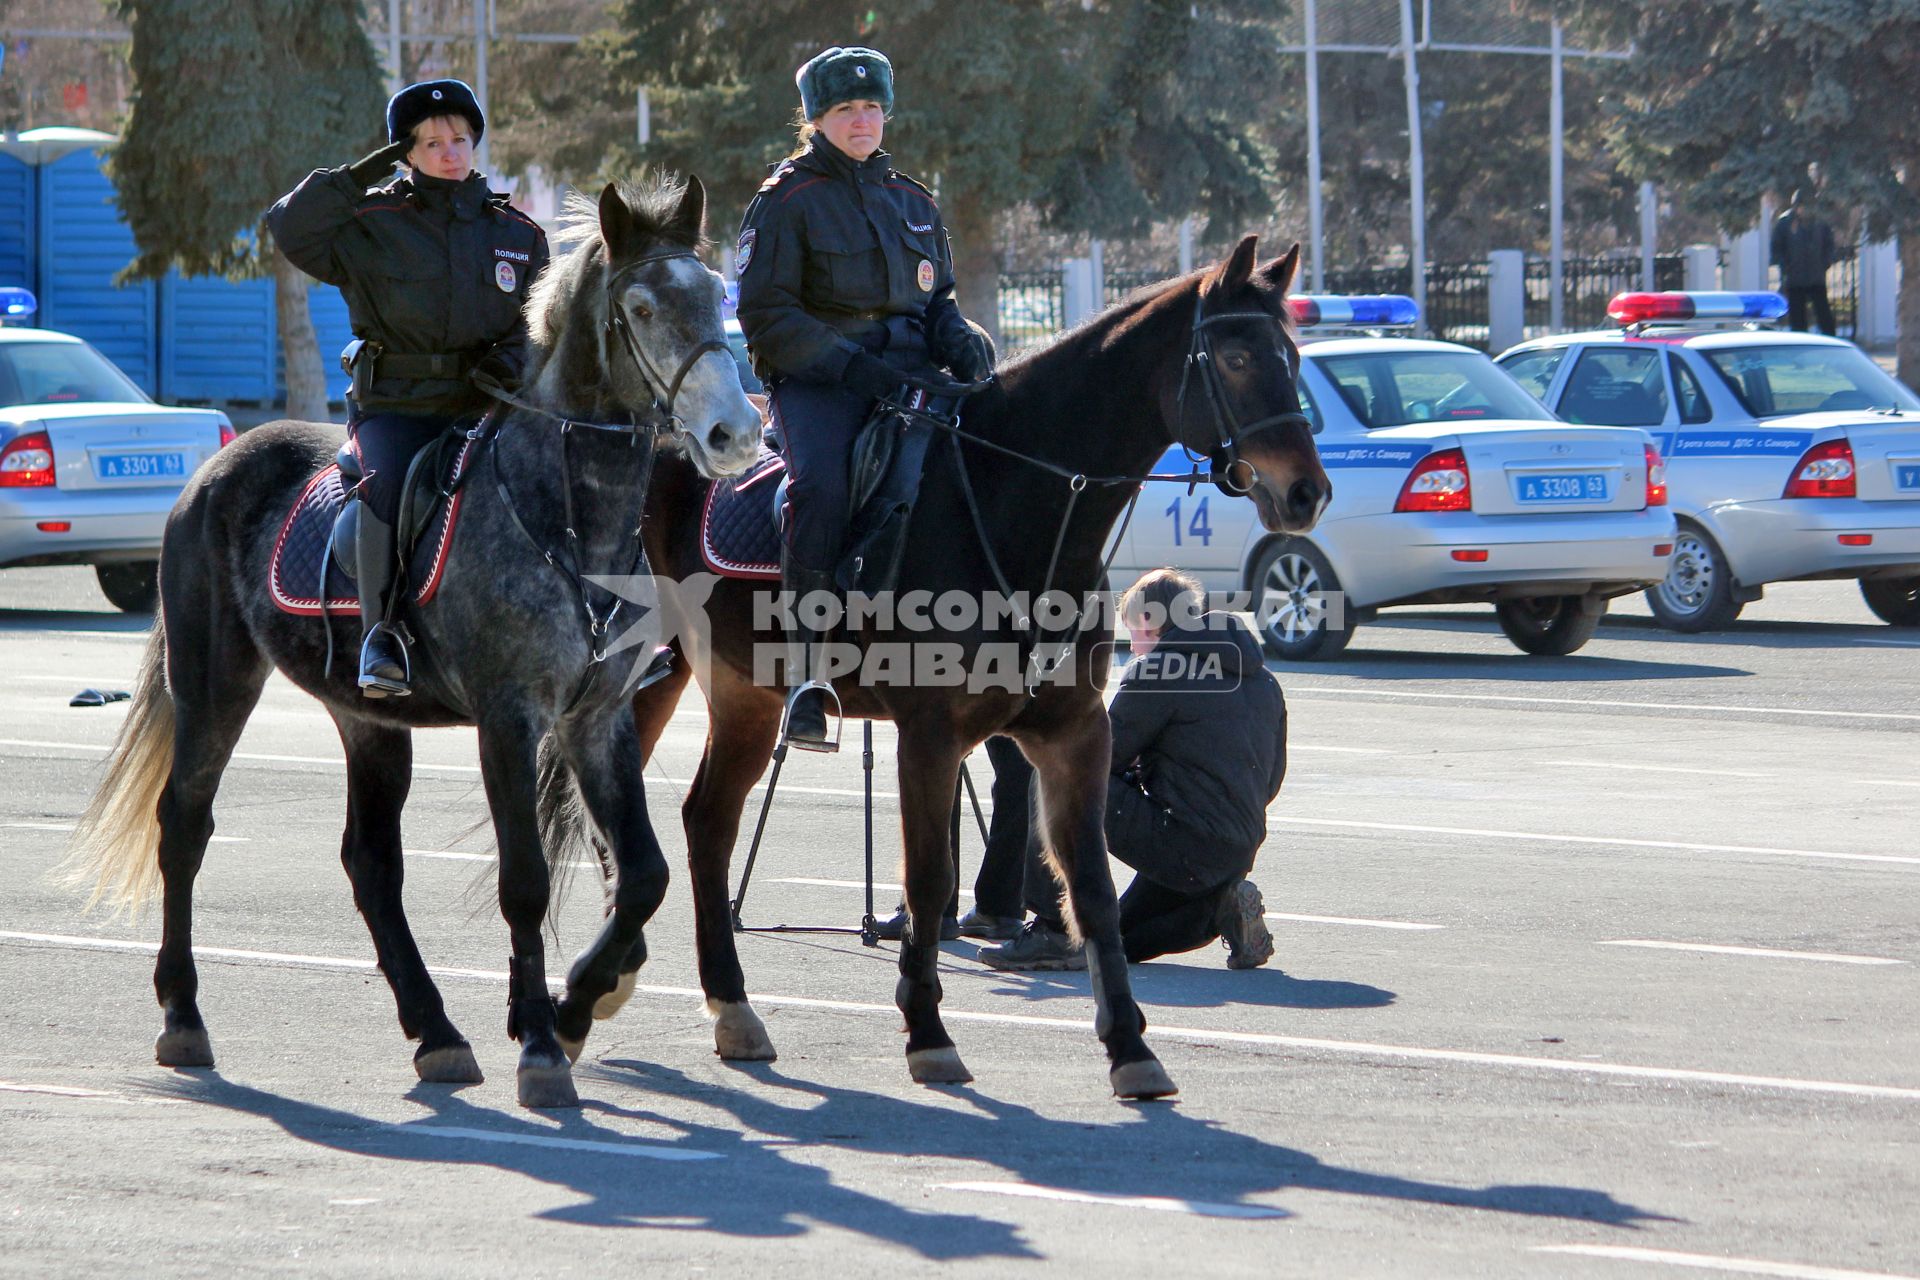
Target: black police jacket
[
  {"x": 831, "y": 248},
  {"x": 1205, "y": 724},
  {"x": 429, "y": 266}
]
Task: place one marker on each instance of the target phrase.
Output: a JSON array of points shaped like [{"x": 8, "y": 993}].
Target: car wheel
[
  {"x": 133, "y": 587},
  {"x": 1551, "y": 626},
  {"x": 1894, "y": 600},
  {"x": 1299, "y": 607},
  {"x": 1698, "y": 592}
]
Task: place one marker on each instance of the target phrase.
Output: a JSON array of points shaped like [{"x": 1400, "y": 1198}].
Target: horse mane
[{"x": 569, "y": 294}]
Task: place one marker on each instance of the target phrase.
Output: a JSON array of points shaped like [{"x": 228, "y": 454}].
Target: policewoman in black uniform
[
  {"x": 435, "y": 268},
  {"x": 846, "y": 290}
]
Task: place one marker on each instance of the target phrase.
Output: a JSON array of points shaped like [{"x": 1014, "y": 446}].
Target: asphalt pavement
[{"x": 1597, "y": 966}]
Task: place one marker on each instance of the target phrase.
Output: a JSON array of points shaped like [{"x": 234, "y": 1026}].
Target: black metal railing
[
  {"x": 1587, "y": 285},
  {"x": 1032, "y": 309},
  {"x": 1119, "y": 284}
]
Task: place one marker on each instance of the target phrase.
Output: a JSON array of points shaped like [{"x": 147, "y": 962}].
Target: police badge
[
  {"x": 926, "y": 276},
  {"x": 505, "y": 276},
  {"x": 743, "y": 252}
]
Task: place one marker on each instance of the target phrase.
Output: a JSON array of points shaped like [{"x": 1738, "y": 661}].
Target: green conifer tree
[{"x": 233, "y": 104}]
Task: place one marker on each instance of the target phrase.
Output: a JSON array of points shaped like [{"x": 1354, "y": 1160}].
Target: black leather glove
[
  {"x": 971, "y": 359},
  {"x": 871, "y": 376},
  {"x": 378, "y": 166},
  {"x": 502, "y": 365}
]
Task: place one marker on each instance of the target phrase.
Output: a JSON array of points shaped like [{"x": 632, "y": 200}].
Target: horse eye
[
  {"x": 1236, "y": 361},
  {"x": 642, "y": 311}
]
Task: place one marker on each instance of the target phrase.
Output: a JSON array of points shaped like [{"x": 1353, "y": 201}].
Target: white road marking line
[
  {"x": 333, "y": 762},
  {"x": 1305, "y": 690},
  {"x": 1767, "y": 952},
  {"x": 1708, "y": 1262},
  {"x": 68, "y": 826},
  {"x": 1163, "y": 1204},
  {"x": 1371, "y": 924},
  {"x": 1655, "y": 768},
  {"x": 1352, "y": 751},
  {"x": 1619, "y": 841},
  {"x": 1887, "y": 782},
  {"x": 1358, "y": 1048},
  {"x": 79, "y": 682},
  {"x": 68, "y": 1091},
  {"x": 36, "y": 633},
  {"x": 644, "y": 1151},
  {"x": 878, "y": 886},
  {"x": 354, "y": 1204}
]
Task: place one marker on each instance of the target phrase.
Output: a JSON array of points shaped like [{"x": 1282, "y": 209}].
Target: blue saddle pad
[
  {"x": 301, "y": 549},
  {"x": 738, "y": 536}
]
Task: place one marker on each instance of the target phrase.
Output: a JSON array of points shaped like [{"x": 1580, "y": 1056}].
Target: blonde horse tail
[{"x": 114, "y": 854}]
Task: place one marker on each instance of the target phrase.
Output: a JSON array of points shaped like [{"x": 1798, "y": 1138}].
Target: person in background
[
  {"x": 1199, "y": 752},
  {"x": 1803, "y": 248},
  {"x": 998, "y": 890}
]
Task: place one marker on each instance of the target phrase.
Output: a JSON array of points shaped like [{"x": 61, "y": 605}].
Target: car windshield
[
  {"x": 1782, "y": 378},
  {"x": 61, "y": 373},
  {"x": 1394, "y": 388}
]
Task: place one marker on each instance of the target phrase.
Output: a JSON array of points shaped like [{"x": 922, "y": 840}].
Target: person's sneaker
[
  {"x": 1241, "y": 918},
  {"x": 894, "y": 927},
  {"x": 1036, "y": 946},
  {"x": 978, "y": 924}
]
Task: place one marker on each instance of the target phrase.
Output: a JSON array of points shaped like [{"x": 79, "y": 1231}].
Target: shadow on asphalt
[
  {"x": 757, "y": 1191},
  {"x": 1178, "y": 986}
]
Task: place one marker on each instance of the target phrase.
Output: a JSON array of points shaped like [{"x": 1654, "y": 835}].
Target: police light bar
[
  {"x": 17, "y": 303},
  {"x": 1648, "y": 308},
  {"x": 1354, "y": 310}
]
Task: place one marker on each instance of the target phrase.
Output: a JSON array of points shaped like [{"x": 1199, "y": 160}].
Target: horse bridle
[
  {"x": 660, "y": 417},
  {"x": 1229, "y": 472}
]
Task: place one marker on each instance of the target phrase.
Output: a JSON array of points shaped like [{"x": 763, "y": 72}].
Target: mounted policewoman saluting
[
  {"x": 846, "y": 294},
  {"x": 435, "y": 268}
]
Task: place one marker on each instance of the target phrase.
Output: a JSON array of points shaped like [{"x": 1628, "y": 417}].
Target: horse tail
[
  {"x": 567, "y": 831},
  {"x": 114, "y": 853}
]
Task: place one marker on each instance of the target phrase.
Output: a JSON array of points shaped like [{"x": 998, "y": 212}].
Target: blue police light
[
  {"x": 1355, "y": 310},
  {"x": 1653, "y": 308},
  {"x": 17, "y": 303}
]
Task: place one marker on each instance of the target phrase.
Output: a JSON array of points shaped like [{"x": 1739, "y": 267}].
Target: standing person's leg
[
  {"x": 1043, "y": 942},
  {"x": 1796, "y": 308},
  {"x": 999, "y": 889},
  {"x": 1823, "y": 311}
]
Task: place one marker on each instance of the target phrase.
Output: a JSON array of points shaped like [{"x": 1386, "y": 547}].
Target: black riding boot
[
  {"x": 810, "y": 699},
  {"x": 384, "y": 669}
]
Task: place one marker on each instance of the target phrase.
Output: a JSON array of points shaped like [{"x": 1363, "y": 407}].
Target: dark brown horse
[{"x": 1207, "y": 361}]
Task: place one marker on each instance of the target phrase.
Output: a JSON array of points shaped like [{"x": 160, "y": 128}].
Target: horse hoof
[
  {"x": 450, "y": 1064},
  {"x": 1142, "y": 1081},
  {"x": 739, "y": 1035},
  {"x": 573, "y": 1048},
  {"x": 615, "y": 1000},
  {"x": 938, "y": 1066},
  {"x": 543, "y": 1087},
  {"x": 187, "y": 1047}
]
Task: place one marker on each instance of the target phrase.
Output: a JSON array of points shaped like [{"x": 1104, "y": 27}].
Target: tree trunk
[
  {"x": 306, "y": 376},
  {"x": 976, "y": 262},
  {"x": 1909, "y": 309}
]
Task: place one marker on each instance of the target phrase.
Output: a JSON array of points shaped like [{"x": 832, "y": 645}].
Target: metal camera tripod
[{"x": 868, "y": 928}]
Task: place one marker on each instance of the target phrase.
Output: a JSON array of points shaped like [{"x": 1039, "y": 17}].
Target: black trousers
[
  {"x": 1799, "y": 298},
  {"x": 1182, "y": 874},
  {"x": 386, "y": 444},
  {"x": 1000, "y": 886}
]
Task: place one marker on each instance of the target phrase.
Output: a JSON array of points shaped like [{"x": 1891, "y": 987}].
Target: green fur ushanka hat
[{"x": 839, "y": 75}]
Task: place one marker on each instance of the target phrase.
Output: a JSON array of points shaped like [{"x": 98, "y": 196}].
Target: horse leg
[
  {"x": 1071, "y": 768},
  {"x": 654, "y": 705},
  {"x": 929, "y": 772},
  {"x": 743, "y": 722},
  {"x": 604, "y": 752},
  {"x": 216, "y": 674},
  {"x": 379, "y": 775},
  {"x": 508, "y": 767}
]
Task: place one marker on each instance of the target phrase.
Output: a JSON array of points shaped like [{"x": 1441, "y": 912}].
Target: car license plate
[
  {"x": 1906, "y": 477},
  {"x": 1582, "y": 486},
  {"x": 140, "y": 466}
]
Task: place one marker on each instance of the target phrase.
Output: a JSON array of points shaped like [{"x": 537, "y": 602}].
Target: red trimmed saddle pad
[
  {"x": 301, "y": 549},
  {"x": 738, "y": 537}
]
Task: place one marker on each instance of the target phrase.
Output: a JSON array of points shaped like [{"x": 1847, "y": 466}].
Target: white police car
[
  {"x": 1450, "y": 484},
  {"x": 1789, "y": 455},
  {"x": 89, "y": 467}
]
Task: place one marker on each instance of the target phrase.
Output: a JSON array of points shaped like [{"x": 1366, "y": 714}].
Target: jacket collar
[
  {"x": 823, "y": 157},
  {"x": 465, "y": 198}
]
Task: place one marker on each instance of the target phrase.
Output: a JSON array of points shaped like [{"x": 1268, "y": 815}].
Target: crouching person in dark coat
[{"x": 1199, "y": 752}]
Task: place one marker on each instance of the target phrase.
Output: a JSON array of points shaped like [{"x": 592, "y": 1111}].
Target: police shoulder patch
[
  {"x": 913, "y": 182},
  {"x": 743, "y": 251}
]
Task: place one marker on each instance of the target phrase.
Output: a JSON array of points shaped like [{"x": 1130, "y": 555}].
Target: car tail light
[
  {"x": 227, "y": 434},
  {"x": 1824, "y": 471},
  {"x": 1663, "y": 549},
  {"x": 1856, "y": 539},
  {"x": 1438, "y": 483},
  {"x": 1465, "y": 556},
  {"x": 27, "y": 462},
  {"x": 1656, "y": 478},
  {"x": 54, "y": 526}
]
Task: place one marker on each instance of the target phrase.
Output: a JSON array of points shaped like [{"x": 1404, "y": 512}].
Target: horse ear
[
  {"x": 689, "y": 221},
  {"x": 1235, "y": 271},
  {"x": 616, "y": 224},
  {"x": 1279, "y": 274}
]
